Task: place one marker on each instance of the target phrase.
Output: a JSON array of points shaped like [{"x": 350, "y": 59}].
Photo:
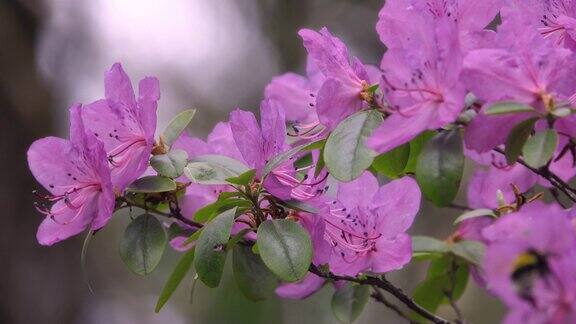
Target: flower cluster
[{"x": 324, "y": 187}]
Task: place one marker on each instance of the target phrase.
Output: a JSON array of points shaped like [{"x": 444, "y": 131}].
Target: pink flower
[
  {"x": 297, "y": 94},
  {"x": 366, "y": 225},
  {"x": 555, "y": 20},
  {"x": 346, "y": 78},
  {"x": 125, "y": 125},
  {"x": 496, "y": 175},
  {"x": 362, "y": 230},
  {"x": 406, "y": 23},
  {"x": 421, "y": 81},
  {"x": 520, "y": 66},
  {"x": 76, "y": 174},
  {"x": 260, "y": 144}
]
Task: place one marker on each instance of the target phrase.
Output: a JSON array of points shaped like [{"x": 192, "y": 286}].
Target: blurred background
[{"x": 209, "y": 55}]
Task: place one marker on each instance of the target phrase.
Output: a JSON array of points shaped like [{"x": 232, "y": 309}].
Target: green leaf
[
  {"x": 315, "y": 145},
  {"x": 255, "y": 248},
  {"x": 428, "y": 244},
  {"x": 517, "y": 138},
  {"x": 83, "y": 255},
  {"x": 373, "y": 88},
  {"x": 244, "y": 179},
  {"x": 471, "y": 251},
  {"x": 175, "y": 279},
  {"x": 299, "y": 205},
  {"x": 214, "y": 169},
  {"x": 151, "y": 184},
  {"x": 475, "y": 213},
  {"x": 416, "y": 146},
  {"x": 206, "y": 213},
  {"x": 171, "y": 164},
  {"x": 275, "y": 162},
  {"x": 540, "y": 148},
  {"x": 304, "y": 161},
  {"x": 440, "y": 167},
  {"x": 393, "y": 163},
  {"x": 177, "y": 126},
  {"x": 320, "y": 164},
  {"x": 562, "y": 112},
  {"x": 143, "y": 244},
  {"x": 346, "y": 154},
  {"x": 285, "y": 248},
  {"x": 445, "y": 275},
  {"x": 210, "y": 248},
  {"x": 252, "y": 276},
  {"x": 349, "y": 301},
  {"x": 193, "y": 237},
  {"x": 508, "y": 107},
  {"x": 423, "y": 256},
  {"x": 237, "y": 238}
]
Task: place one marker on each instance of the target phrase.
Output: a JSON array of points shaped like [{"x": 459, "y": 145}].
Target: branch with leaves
[{"x": 324, "y": 188}]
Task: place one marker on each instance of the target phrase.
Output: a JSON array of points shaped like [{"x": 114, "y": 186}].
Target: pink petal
[
  {"x": 292, "y": 92},
  {"x": 273, "y": 124},
  {"x": 359, "y": 192},
  {"x": 51, "y": 232},
  {"x": 149, "y": 94},
  {"x": 397, "y": 130},
  {"x": 118, "y": 89},
  {"x": 397, "y": 204},
  {"x": 248, "y": 137},
  {"x": 309, "y": 285},
  {"x": 221, "y": 140},
  {"x": 391, "y": 254},
  {"x": 48, "y": 160},
  {"x": 336, "y": 101}
]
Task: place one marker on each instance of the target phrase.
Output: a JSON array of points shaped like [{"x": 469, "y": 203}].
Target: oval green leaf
[
  {"x": 177, "y": 125},
  {"x": 151, "y": 184},
  {"x": 349, "y": 301},
  {"x": 440, "y": 167},
  {"x": 517, "y": 138},
  {"x": 171, "y": 164},
  {"x": 428, "y": 244},
  {"x": 208, "y": 212},
  {"x": 252, "y": 276},
  {"x": 214, "y": 169},
  {"x": 275, "y": 162},
  {"x": 539, "y": 149},
  {"x": 508, "y": 107},
  {"x": 392, "y": 164},
  {"x": 175, "y": 279},
  {"x": 445, "y": 275},
  {"x": 416, "y": 146},
  {"x": 210, "y": 248},
  {"x": 143, "y": 244},
  {"x": 346, "y": 155},
  {"x": 244, "y": 179},
  {"x": 483, "y": 212},
  {"x": 285, "y": 248},
  {"x": 471, "y": 251}
]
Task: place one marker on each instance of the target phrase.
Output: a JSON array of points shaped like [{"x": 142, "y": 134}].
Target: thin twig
[
  {"x": 385, "y": 285},
  {"x": 450, "y": 293},
  {"x": 177, "y": 215},
  {"x": 556, "y": 196},
  {"x": 550, "y": 176},
  {"x": 377, "y": 295}
]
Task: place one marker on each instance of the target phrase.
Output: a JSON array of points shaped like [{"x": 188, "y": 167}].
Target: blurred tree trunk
[{"x": 38, "y": 285}]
